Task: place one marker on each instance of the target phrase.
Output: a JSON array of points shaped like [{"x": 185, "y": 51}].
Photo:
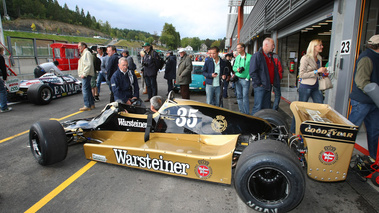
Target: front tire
[
  {"x": 375, "y": 179},
  {"x": 269, "y": 178},
  {"x": 40, "y": 94},
  {"x": 47, "y": 141}
]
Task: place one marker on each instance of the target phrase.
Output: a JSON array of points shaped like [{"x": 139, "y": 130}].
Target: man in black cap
[{"x": 150, "y": 64}]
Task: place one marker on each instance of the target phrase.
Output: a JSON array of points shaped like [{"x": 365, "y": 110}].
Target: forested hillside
[{"x": 51, "y": 10}]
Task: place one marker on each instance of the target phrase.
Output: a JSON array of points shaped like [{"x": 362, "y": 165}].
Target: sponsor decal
[
  {"x": 65, "y": 89},
  {"x": 97, "y": 157},
  {"x": 328, "y": 156},
  {"x": 261, "y": 209},
  {"x": 219, "y": 123},
  {"x": 202, "y": 170},
  {"x": 132, "y": 123},
  {"x": 329, "y": 132},
  {"x": 13, "y": 85},
  {"x": 156, "y": 164}
]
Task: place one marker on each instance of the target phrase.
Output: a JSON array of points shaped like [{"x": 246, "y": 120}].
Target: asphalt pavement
[{"x": 79, "y": 185}]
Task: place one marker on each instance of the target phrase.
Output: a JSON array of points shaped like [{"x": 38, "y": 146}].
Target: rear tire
[
  {"x": 375, "y": 179},
  {"x": 273, "y": 117},
  {"x": 40, "y": 94},
  {"x": 47, "y": 141},
  {"x": 269, "y": 177}
]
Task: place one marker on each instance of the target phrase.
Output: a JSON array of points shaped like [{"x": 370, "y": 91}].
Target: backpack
[
  {"x": 96, "y": 62},
  {"x": 161, "y": 62}
]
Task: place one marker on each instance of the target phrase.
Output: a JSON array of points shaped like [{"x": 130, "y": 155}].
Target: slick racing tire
[
  {"x": 273, "y": 117},
  {"x": 40, "y": 94},
  {"x": 47, "y": 141},
  {"x": 375, "y": 179},
  {"x": 268, "y": 177}
]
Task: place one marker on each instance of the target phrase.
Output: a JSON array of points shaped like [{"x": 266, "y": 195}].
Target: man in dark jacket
[
  {"x": 214, "y": 70},
  {"x": 124, "y": 83},
  {"x": 150, "y": 70},
  {"x": 363, "y": 108},
  {"x": 170, "y": 71},
  {"x": 3, "y": 92},
  {"x": 264, "y": 74},
  {"x": 112, "y": 66}
]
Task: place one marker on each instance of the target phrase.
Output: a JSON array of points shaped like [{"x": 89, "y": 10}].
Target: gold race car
[{"x": 188, "y": 139}]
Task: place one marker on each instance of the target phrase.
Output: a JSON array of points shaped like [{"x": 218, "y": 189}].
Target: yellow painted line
[
  {"x": 59, "y": 119},
  {"x": 22, "y": 133},
  {"x": 11, "y": 137},
  {"x": 60, "y": 188}
]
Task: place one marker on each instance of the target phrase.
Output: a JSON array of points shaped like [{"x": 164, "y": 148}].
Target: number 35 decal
[{"x": 185, "y": 117}]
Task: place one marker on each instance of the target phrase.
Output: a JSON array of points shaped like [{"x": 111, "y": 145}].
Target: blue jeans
[
  {"x": 304, "y": 95},
  {"x": 3, "y": 96},
  {"x": 262, "y": 99},
  {"x": 278, "y": 95},
  {"x": 87, "y": 93},
  {"x": 213, "y": 94},
  {"x": 151, "y": 84},
  {"x": 102, "y": 76},
  {"x": 368, "y": 113},
  {"x": 242, "y": 90}
]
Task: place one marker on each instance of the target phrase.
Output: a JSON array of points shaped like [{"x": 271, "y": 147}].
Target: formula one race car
[
  {"x": 218, "y": 143},
  {"x": 42, "y": 90}
]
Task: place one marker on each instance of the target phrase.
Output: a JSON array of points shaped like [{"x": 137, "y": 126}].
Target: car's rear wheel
[
  {"x": 269, "y": 178},
  {"x": 375, "y": 179},
  {"x": 47, "y": 141},
  {"x": 273, "y": 117},
  {"x": 40, "y": 94}
]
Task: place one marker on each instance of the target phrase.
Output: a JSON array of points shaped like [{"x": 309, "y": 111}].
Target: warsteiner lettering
[{"x": 160, "y": 164}]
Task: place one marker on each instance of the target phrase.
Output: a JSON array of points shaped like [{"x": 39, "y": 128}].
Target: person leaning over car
[
  {"x": 183, "y": 74},
  {"x": 124, "y": 83},
  {"x": 85, "y": 71},
  {"x": 45, "y": 68}
]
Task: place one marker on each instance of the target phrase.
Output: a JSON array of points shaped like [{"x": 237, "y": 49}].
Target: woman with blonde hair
[{"x": 310, "y": 69}]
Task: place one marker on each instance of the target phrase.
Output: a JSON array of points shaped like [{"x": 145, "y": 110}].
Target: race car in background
[{"x": 42, "y": 90}]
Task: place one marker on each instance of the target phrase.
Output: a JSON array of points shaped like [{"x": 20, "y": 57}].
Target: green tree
[
  {"x": 216, "y": 44},
  {"x": 185, "y": 42},
  {"x": 196, "y": 43},
  {"x": 169, "y": 36},
  {"x": 150, "y": 40}
]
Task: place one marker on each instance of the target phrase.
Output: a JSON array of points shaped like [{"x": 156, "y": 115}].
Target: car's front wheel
[
  {"x": 269, "y": 178},
  {"x": 48, "y": 142},
  {"x": 40, "y": 94}
]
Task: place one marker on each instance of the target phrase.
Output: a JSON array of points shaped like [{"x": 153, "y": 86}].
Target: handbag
[{"x": 324, "y": 83}]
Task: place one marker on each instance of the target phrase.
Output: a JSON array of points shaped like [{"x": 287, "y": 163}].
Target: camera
[{"x": 241, "y": 69}]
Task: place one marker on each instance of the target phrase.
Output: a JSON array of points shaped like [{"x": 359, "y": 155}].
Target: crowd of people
[{"x": 262, "y": 70}]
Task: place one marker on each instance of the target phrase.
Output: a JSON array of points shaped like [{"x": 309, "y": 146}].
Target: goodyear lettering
[
  {"x": 261, "y": 209},
  {"x": 155, "y": 164},
  {"x": 330, "y": 132},
  {"x": 132, "y": 123}
]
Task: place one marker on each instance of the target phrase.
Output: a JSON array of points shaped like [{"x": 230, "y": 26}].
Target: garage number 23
[{"x": 185, "y": 116}]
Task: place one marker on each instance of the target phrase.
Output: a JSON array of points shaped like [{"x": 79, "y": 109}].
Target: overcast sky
[{"x": 203, "y": 19}]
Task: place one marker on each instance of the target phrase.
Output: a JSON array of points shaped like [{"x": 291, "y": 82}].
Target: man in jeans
[
  {"x": 276, "y": 88},
  {"x": 85, "y": 71},
  {"x": 241, "y": 70},
  {"x": 3, "y": 92},
  {"x": 214, "y": 71},
  {"x": 264, "y": 74},
  {"x": 363, "y": 108}
]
